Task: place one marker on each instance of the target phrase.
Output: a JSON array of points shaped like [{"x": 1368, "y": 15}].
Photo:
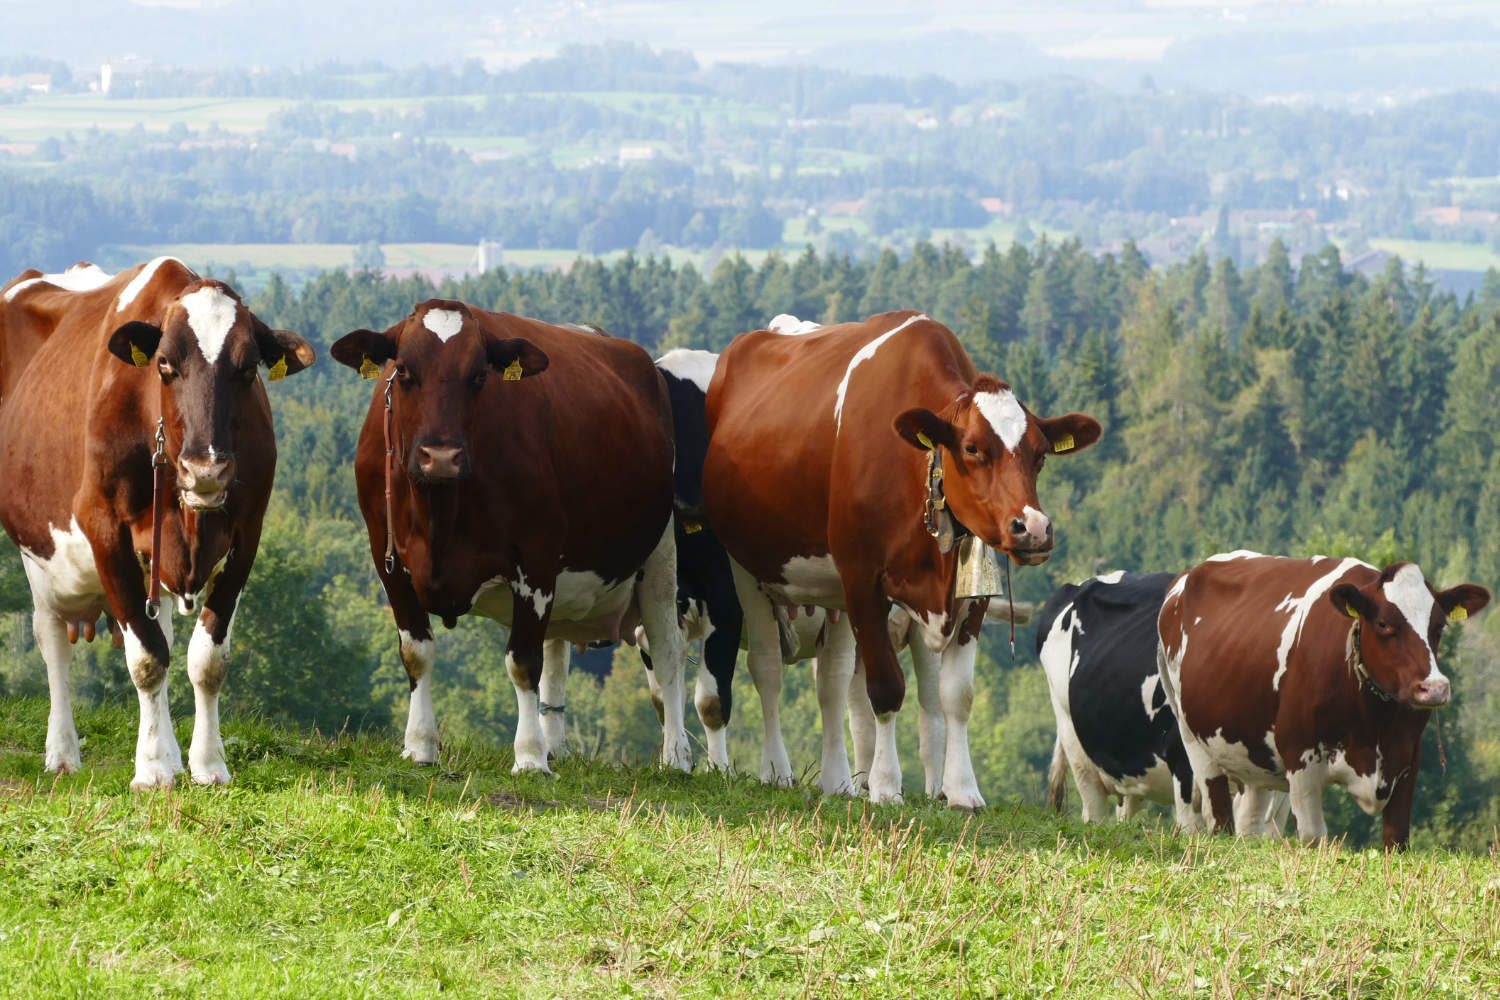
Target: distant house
[
  {"x": 37, "y": 83},
  {"x": 853, "y": 207},
  {"x": 996, "y": 206},
  {"x": 637, "y": 154}
]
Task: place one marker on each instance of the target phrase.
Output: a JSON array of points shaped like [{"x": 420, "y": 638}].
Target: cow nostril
[{"x": 1017, "y": 526}]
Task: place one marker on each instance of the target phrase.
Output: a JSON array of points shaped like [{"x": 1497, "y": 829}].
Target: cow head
[
  {"x": 1402, "y": 620},
  {"x": 205, "y": 351},
  {"x": 993, "y": 448},
  {"x": 444, "y": 359}
]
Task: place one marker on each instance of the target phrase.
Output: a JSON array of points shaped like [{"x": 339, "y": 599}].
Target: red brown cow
[
  {"x": 816, "y": 481},
  {"x": 91, "y": 365},
  {"x": 1296, "y": 674},
  {"x": 530, "y": 482}
]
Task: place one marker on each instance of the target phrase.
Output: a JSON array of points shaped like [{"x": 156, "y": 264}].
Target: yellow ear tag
[
  {"x": 1349, "y": 610},
  {"x": 139, "y": 357},
  {"x": 368, "y": 369},
  {"x": 1062, "y": 444},
  {"x": 691, "y": 527},
  {"x": 926, "y": 441},
  {"x": 278, "y": 370},
  {"x": 513, "y": 371},
  {"x": 1458, "y": 614}
]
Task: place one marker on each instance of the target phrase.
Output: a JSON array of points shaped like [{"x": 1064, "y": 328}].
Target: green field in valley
[{"x": 331, "y": 868}]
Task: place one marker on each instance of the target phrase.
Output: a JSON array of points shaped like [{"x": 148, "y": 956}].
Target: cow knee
[{"x": 711, "y": 711}]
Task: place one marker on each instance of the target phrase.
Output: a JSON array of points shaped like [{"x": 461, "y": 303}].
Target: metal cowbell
[{"x": 978, "y": 573}]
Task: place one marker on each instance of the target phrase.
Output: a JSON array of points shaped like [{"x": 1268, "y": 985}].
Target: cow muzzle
[
  {"x": 203, "y": 483},
  {"x": 1030, "y": 537},
  {"x": 1430, "y": 693},
  {"x": 439, "y": 463}
]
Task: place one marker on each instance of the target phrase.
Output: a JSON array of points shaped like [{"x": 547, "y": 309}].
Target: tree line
[{"x": 1290, "y": 409}]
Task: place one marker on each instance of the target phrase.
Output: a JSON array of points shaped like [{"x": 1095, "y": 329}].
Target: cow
[
  {"x": 705, "y": 586},
  {"x": 520, "y": 471},
  {"x": 1295, "y": 674},
  {"x": 830, "y": 453},
  {"x": 105, "y": 382}
]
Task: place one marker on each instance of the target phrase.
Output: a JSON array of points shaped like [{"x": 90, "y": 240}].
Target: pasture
[{"x": 331, "y": 868}]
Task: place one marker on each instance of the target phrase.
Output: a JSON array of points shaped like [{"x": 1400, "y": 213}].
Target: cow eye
[
  {"x": 403, "y": 373},
  {"x": 477, "y": 381},
  {"x": 971, "y": 449},
  {"x": 166, "y": 370},
  {"x": 247, "y": 375},
  {"x": 1383, "y": 627}
]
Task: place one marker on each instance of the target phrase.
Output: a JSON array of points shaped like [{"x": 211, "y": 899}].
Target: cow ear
[
  {"x": 1070, "y": 432},
  {"x": 364, "y": 351},
  {"x": 1462, "y": 601},
  {"x": 282, "y": 351},
  {"x": 515, "y": 357},
  {"x": 1351, "y": 601},
  {"x": 925, "y": 430},
  {"x": 135, "y": 342}
]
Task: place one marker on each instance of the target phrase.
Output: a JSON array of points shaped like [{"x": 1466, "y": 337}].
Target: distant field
[{"x": 1444, "y": 256}]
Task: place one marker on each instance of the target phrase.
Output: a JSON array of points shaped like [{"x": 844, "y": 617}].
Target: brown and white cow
[
  {"x": 816, "y": 482},
  {"x": 1296, "y": 674},
  {"x": 89, "y": 362},
  {"x": 531, "y": 483}
]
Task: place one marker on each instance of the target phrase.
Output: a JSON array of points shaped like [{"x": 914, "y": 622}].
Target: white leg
[
  {"x": 932, "y": 729},
  {"x": 834, "y": 667},
  {"x": 1086, "y": 778},
  {"x": 208, "y": 664},
  {"x": 1307, "y": 801},
  {"x": 657, "y": 594},
  {"x": 1277, "y": 808},
  {"x": 531, "y": 746},
  {"x": 62, "y": 737},
  {"x": 885, "y": 768},
  {"x": 1250, "y": 811},
  {"x": 715, "y": 732},
  {"x": 418, "y": 656},
  {"x": 554, "y": 696},
  {"x": 957, "y": 687},
  {"x": 1188, "y": 812},
  {"x": 157, "y": 756},
  {"x": 764, "y": 661},
  {"x": 861, "y": 728},
  {"x": 1129, "y": 806}
]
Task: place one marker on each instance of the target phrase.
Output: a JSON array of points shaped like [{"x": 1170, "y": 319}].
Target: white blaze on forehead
[
  {"x": 1300, "y": 607},
  {"x": 696, "y": 367},
  {"x": 862, "y": 355},
  {"x": 140, "y": 281},
  {"x": 790, "y": 326},
  {"x": 445, "y": 323},
  {"x": 211, "y": 314},
  {"x": 1005, "y": 415},
  {"x": 78, "y": 278},
  {"x": 1408, "y": 591}
]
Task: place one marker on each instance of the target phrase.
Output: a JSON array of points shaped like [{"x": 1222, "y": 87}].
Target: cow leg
[
  {"x": 932, "y": 729},
  {"x": 418, "y": 656},
  {"x": 1306, "y": 794},
  {"x": 208, "y": 665},
  {"x": 158, "y": 759},
  {"x": 861, "y": 728},
  {"x": 1250, "y": 811},
  {"x": 1091, "y": 788},
  {"x": 525, "y": 662},
  {"x": 834, "y": 667},
  {"x": 868, "y": 613},
  {"x": 714, "y": 695},
  {"x": 1129, "y": 806},
  {"x": 956, "y": 680},
  {"x": 657, "y": 596},
  {"x": 553, "y": 699},
  {"x": 62, "y": 736},
  {"x": 1276, "y": 812},
  {"x": 764, "y": 660},
  {"x": 1396, "y": 817}
]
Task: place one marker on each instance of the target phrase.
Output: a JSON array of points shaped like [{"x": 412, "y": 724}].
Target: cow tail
[{"x": 1057, "y": 776}]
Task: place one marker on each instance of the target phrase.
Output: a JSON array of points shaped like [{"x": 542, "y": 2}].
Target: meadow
[{"x": 331, "y": 868}]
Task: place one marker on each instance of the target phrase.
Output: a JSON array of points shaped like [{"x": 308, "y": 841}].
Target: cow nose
[
  {"x": 1035, "y": 528},
  {"x": 1430, "y": 694},
  {"x": 440, "y": 461},
  {"x": 205, "y": 481}
]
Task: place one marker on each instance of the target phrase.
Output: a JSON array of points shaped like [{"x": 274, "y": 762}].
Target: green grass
[{"x": 330, "y": 868}]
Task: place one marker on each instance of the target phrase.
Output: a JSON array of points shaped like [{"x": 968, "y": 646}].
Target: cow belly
[
  {"x": 1153, "y": 783},
  {"x": 1369, "y": 790},
  {"x": 68, "y": 581},
  {"x": 1238, "y": 761},
  {"x": 584, "y": 607},
  {"x": 808, "y": 580}
]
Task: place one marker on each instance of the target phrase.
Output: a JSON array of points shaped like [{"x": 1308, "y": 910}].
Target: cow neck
[
  {"x": 937, "y": 516},
  {"x": 1357, "y": 664}
]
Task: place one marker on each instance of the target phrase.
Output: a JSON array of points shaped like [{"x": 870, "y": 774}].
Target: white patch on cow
[
  {"x": 1113, "y": 577},
  {"x": 539, "y": 598},
  {"x": 696, "y": 367},
  {"x": 809, "y": 580},
  {"x": 444, "y": 323},
  {"x": 1149, "y": 687},
  {"x": 1408, "y": 591},
  {"x": 158, "y": 759},
  {"x": 790, "y": 326},
  {"x": 1157, "y": 784},
  {"x": 211, "y": 314},
  {"x": 1364, "y": 787},
  {"x": 1005, "y": 415},
  {"x": 1299, "y": 607},
  {"x": 530, "y": 744},
  {"x": 70, "y": 575},
  {"x": 78, "y": 278},
  {"x": 140, "y": 281},
  {"x": 421, "y": 743},
  {"x": 207, "y": 667},
  {"x": 1236, "y": 554},
  {"x": 1233, "y": 758},
  {"x": 860, "y": 356}
]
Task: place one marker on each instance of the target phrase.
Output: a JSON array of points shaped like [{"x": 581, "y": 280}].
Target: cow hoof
[
  {"x": 422, "y": 756},
  {"x": 63, "y": 763},
  {"x": 150, "y": 778},
  {"x": 680, "y": 757},
  {"x": 968, "y": 801},
  {"x": 887, "y": 798},
  {"x": 535, "y": 764},
  {"x": 211, "y": 775}
]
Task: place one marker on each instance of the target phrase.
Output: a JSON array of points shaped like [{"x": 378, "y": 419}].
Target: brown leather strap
[
  {"x": 390, "y": 458},
  {"x": 158, "y": 480}
]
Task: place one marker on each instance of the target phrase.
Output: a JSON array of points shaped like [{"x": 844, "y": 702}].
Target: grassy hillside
[{"x": 331, "y": 868}]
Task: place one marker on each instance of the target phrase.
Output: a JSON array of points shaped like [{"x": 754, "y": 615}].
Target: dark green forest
[{"x": 1293, "y": 407}]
